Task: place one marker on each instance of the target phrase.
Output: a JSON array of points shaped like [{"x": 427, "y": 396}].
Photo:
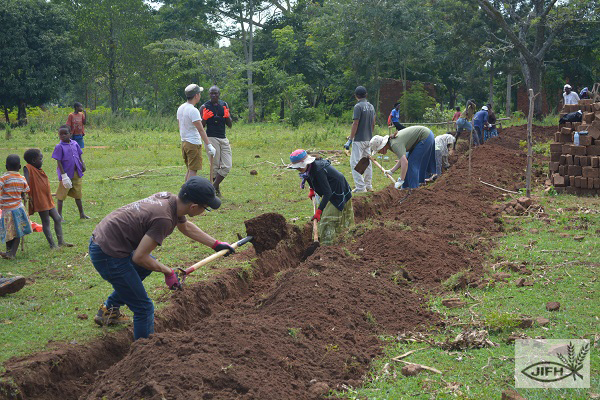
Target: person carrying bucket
[{"x": 335, "y": 212}]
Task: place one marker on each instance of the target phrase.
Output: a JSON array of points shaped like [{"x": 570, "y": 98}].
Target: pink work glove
[
  {"x": 172, "y": 280},
  {"x": 206, "y": 114},
  {"x": 317, "y": 215},
  {"x": 218, "y": 246},
  {"x": 311, "y": 194}
]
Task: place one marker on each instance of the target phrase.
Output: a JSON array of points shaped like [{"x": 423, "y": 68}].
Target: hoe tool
[
  {"x": 363, "y": 164},
  {"x": 315, "y": 244},
  {"x": 183, "y": 273}
]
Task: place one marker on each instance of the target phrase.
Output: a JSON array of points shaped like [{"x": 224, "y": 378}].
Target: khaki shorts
[
  {"x": 222, "y": 160},
  {"x": 75, "y": 192},
  {"x": 192, "y": 155}
]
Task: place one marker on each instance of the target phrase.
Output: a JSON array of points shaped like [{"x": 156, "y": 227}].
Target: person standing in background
[
  {"x": 360, "y": 136},
  {"x": 76, "y": 121}
]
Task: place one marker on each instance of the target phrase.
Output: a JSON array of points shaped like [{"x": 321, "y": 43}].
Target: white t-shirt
[
  {"x": 571, "y": 98},
  {"x": 187, "y": 114}
]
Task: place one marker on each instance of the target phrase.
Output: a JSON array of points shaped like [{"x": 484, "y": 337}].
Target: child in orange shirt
[
  {"x": 14, "y": 223},
  {"x": 76, "y": 122},
  {"x": 40, "y": 197}
]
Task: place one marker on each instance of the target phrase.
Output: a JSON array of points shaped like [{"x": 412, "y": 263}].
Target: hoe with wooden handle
[
  {"x": 315, "y": 244},
  {"x": 183, "y": 273},
  {"x": 363, "y": 164}
]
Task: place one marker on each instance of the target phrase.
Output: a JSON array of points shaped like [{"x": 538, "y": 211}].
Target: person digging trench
[
  {"x": 419, "y": 143},
  {"x": 121, "y": 246},
  {"x": 335, "y": 212}
]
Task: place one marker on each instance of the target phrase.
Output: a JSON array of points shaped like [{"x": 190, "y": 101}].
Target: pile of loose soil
[{"x": 294, "y": 329}]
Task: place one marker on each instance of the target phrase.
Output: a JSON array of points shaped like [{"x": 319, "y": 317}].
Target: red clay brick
[
  {"x": 565, "y": 130},
  {"x": 593, "y": 150},
  {"x": 595, "y": 161},
  {"x": 562, "y": 170},
  {"x": 588, "y": 117},
  {"x": 582, "y": 150},
  {"x": 584, "y": 182},
  {"x": 566, "y": 148},
  {"x": 591, "y": 172},
  {"x": 577, "y": 181},
  {"x": 585, "y": 140},
  {"x": 570, "y": 160},
  {"x": 555, "y": 147},
  {"x": 594, "y": 130},
  {"x": 590, "y": 183},
  {"x": 558, "y": 180},
  {"x": 574, "y": 170},
  {"x": 566, "y": 138},
  {"x": 555, "y": 157},
  {"x": 563, "y": 160},
  {"x": 596, "y": 183},
  {"x": 572, "y": 181}
]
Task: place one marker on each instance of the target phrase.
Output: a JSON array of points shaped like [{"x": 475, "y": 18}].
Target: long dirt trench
[{"x": 290, "y": 329}]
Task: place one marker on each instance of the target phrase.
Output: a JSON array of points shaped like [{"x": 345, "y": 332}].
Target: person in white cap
[
  {"x": 419, "y": 143},
  {"x": 335, "y": 212},
  {"x": 479, "y": 121},
  {"x": 192, "y": 132},
  {"x": 570, "y": 97}
]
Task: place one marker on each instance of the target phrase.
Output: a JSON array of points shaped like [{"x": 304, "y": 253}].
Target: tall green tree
[{"x": 37, "y": 57}]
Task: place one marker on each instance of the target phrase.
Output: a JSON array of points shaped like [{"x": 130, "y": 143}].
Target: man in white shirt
[
  {"x": 570, "y": 97},
  {"x": 192, "y": 132}
]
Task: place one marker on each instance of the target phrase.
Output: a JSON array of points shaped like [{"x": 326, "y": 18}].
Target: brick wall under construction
[{"x": 575, "y": 169}]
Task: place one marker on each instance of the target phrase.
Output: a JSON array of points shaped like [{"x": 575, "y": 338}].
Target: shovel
[
  {"x": 183, "y": 273},
  {"x": 363, "y": 164}
]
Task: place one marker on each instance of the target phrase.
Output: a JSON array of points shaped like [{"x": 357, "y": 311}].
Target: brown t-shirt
[{"x": 121, "y": 231}]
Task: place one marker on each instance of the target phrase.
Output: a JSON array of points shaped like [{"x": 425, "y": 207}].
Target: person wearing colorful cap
[
  {"x": 335, "y": 212},
  {"x": 360, "y": 134},
  {"x": 121, "y": 246},
  {"x": 479, "y": 121},
  {"x": 570, "y": 97},
  {"x": 192, "y": 132},
  {"x": 418, "y": 141}
]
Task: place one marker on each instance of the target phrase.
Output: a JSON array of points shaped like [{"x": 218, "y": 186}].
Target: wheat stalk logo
[{"x": 550, "y": 371}]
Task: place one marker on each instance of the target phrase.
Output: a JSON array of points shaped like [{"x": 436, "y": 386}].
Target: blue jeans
[
  {"x": 421, "y": 162},
  {"x": 478, "y": 136},
  {"x": 79, "y": 140},
  {"x": 126, "y": 279},
  {"x": 438, "y": 162}
]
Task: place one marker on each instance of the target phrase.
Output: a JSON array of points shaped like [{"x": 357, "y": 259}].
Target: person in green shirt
[{"x": 416, "y": 141}]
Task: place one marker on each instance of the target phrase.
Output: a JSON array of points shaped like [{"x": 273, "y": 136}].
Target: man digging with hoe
[{"x": 121, "y": 246}]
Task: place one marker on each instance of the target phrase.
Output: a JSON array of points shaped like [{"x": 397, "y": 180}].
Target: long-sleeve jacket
[{"x": 330, "y": 184}]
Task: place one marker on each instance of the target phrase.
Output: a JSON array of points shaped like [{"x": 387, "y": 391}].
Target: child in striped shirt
[{"x": 14, "y": 223}]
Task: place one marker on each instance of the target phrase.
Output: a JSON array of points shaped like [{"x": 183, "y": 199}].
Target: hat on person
[
  {"x": 484, "y": 108},
  {"x": 200, "y": 191},
  {"x": 378, "y": 142},
  {"x": 192, "y": 90},
  {"x": 300, "y": 159},
  {"x": 567, "y": 86}
]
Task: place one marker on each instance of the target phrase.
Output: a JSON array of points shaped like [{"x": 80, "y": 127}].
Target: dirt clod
[
  {"x": 541, "y": 321},
  {"x": 82, "y": 316},
  {"x": 510, "y": 394},
  {"x": 411, "y": 369},
  {"x": 553, "y": 306},
  {"x": 254, "y": 172},
  {"x": 453, "y": 303},
  {"x": 267, "y": 230}
]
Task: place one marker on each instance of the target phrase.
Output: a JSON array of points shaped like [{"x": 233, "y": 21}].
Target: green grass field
[{"x": 65, "y": 284}]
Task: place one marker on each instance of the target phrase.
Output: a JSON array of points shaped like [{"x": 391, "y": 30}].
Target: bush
[
  {"x": 436, "y": 114},
  {"x": 414, "y": 101}
]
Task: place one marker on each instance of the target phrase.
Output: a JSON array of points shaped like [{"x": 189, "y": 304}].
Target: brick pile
[{"x": 576, "y": 169}]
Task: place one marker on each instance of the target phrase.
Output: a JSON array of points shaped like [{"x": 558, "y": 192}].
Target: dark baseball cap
[
  {"x": 200, "y": 191},
  {"x": 360, "y": 91}
]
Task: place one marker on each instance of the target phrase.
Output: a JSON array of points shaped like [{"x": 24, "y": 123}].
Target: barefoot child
[
  {"x": 40, "y": 197},
  {"x": 14, "y": 223},
  {"x": 70, "y": 170},
  {"x": 76, "y": 122}
]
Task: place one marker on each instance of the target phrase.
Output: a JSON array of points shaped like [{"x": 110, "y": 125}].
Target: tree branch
[{"x": 489, "y": 9}]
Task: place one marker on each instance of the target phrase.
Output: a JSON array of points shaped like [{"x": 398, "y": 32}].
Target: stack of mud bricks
[{"x": 576, "y": 169}]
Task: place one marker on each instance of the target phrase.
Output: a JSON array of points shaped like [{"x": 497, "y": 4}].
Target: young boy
[
  {"x": 76, "y": 121},
  {"x": 70, "y": 170},
  {"x": 14, "y": 223},
  {"x": 40, "y": 197}
]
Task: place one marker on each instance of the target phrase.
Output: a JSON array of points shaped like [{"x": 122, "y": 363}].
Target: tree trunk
[
  {"x": 491, "y": 95},
  {"x": 282, "y": 110},
  {"x": 6, "y": 117},
  {"x": 248, "y": 46},
  {"x": 404, "y": 90},
  {"x": 532, "y": 72},
  {"x": 508, "y": 94},
  {"x": 22, "y": 113},
  {"x": 112, "y": 78}
]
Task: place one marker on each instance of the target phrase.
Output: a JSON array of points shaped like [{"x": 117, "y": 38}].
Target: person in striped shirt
[{"x": 14, "y": 223}]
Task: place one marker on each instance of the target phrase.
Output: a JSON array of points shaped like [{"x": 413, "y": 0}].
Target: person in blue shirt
[
  {"x": 479, "y": 121},
  {"x": 395, "y": 117}
]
